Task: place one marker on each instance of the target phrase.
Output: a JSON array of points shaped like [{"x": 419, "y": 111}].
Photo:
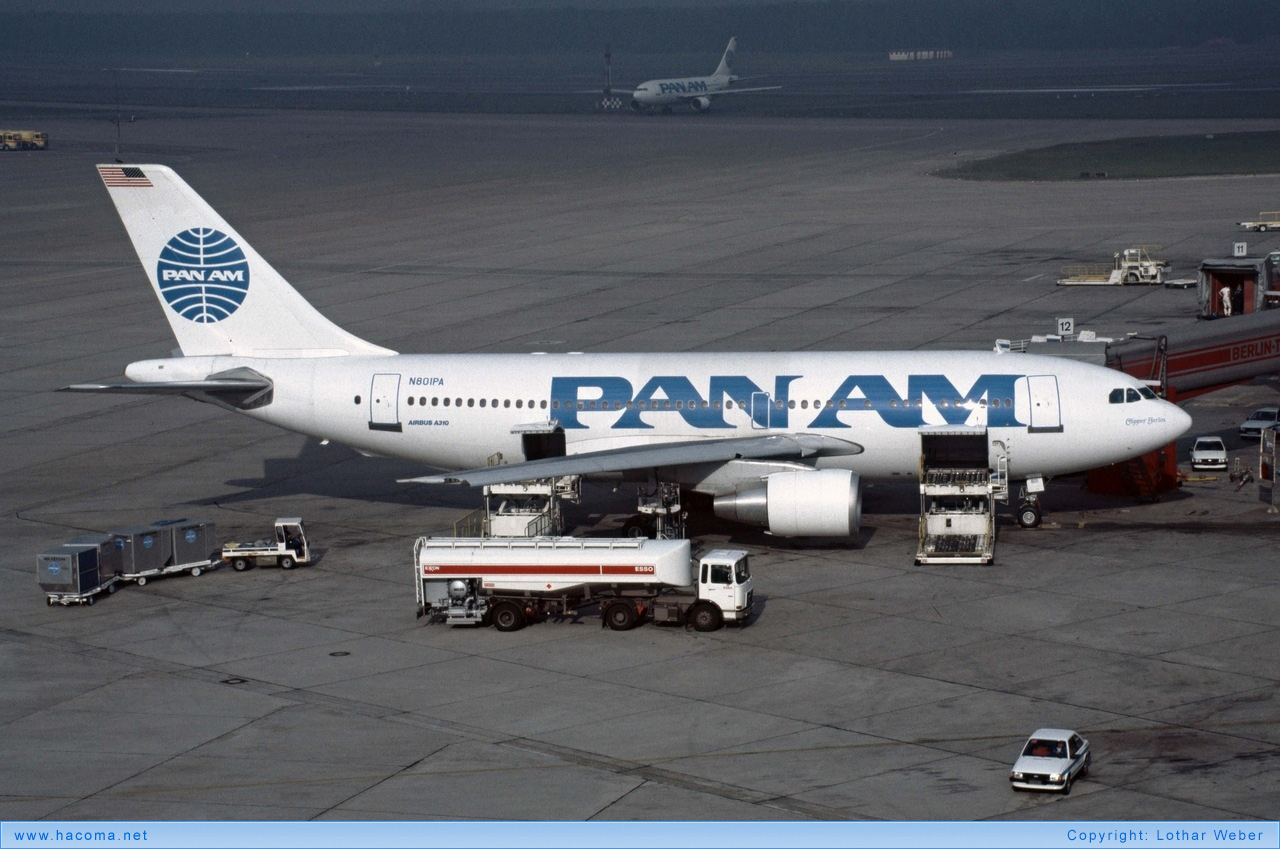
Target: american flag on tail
[{"x": 123, "y": 176}]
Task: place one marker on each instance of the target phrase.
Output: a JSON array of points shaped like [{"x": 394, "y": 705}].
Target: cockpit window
[
  {"x": 1148, "y": 393},
  {"x": 1128, "y": 395}
]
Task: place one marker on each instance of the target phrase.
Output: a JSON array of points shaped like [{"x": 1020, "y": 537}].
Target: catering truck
[{"x": 511, "y": 582}]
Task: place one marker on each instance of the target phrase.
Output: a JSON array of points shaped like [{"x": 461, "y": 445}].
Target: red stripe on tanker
[{"x": 469, "y": 569}]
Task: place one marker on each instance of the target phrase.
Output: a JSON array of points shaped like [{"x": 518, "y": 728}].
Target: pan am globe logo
[{"x": 203, "y": 274}]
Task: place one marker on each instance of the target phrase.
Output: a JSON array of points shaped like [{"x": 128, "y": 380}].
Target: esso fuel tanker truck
[{"x": 510, "y": 582}]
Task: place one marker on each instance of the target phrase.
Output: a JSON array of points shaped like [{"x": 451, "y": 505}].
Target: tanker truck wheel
[
  {"x": 507, "y": 617},
  {"x": 705, "y": 617},
  {"x": 621, "y": 616}
]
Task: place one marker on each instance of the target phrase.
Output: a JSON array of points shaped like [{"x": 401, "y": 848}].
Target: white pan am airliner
[
  {"x": 780, "y": 440},
  {"x": 694, "y": 92}
]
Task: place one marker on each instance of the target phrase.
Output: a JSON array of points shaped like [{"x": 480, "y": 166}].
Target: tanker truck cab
[
  {"x": 724, "y": 580},
  {"x": 722, "y": 591}
]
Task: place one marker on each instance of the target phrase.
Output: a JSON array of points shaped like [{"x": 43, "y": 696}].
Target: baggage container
[
  {"x": 144, "y": 550},
  {"x": 192, "y": 540},
  {"x": 72, "y": 573},
  {"x": 163, "y": 548}
]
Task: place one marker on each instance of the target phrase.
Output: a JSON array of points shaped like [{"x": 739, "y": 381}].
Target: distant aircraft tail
[
  {"x": 725, "y": 68},
  {"x": 219, "y": 295}
]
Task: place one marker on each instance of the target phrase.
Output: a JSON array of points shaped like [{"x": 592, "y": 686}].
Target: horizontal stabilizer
[
  {"x": 179, "y": 387},
  {"x": 796, "y": 446},
  {"x": 242, "y": 388}
]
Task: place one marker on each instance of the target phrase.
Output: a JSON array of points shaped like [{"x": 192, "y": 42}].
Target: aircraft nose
[
  {"x": 1176, "y": 422},
  {"x": 1179, "y": 421}
]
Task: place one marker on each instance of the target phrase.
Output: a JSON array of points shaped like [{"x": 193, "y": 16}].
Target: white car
[
  {"x": 1209, "y": 452},
  {"x": 1258, "y": 419},
  {"x": 1051, "y": 760}
]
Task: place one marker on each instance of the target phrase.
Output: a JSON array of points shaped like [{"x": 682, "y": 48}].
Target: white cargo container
[{"x": 512, "y": 582}]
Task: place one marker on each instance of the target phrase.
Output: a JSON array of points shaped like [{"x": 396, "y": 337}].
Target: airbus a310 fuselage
[{"x": 796, "y": 433}]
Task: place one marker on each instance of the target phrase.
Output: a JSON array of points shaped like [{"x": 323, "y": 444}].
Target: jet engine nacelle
[
  {"x": 700, "y": 104},
  {"x": 826, "y": 503}
]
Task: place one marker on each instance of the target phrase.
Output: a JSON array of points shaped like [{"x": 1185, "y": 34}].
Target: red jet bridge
[
  {"x": 1189, "y": 361},
  {"x": 1181, "y": 364}
]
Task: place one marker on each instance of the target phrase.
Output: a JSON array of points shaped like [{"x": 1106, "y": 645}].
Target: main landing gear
[{"x": 660, "y": 515}]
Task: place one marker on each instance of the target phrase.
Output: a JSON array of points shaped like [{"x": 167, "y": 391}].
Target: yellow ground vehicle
[
  {"x": 33, "y": 139},
  {"x": 24, "y": 140}
]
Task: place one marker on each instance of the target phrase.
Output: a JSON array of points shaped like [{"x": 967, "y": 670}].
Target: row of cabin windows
[
  {"x": 519, "y": 403},
  {"x": 692, "y": 405},
  {"x": 1128, "y": 396}
]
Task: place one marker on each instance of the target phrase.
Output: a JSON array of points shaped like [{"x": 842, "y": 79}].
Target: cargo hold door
[{"x": 384, "y": 403}]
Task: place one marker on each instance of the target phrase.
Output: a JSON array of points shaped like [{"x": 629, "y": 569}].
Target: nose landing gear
[
  {"x": 1029, "y": 513},
  {"x": 1029, "y": 510}
]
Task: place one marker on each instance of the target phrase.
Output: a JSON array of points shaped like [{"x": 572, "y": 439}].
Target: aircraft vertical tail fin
[
  {"x": 219, "y": 295},
  {"x": 725, "y": 69}
]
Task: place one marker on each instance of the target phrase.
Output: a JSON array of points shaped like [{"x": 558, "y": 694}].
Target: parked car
[
  {"x": 1052, "y": 759},
  {"x": 1209, "y": 452},
  {"x": 1258, "y": 419}
]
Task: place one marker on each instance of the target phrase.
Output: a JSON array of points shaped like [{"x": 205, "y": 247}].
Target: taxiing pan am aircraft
[
  {"x": 694, "y": 91},
  {"x": 779, "y": 440}
]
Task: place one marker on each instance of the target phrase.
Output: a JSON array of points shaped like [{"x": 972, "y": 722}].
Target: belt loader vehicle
[{"x": 514, "y": 581}]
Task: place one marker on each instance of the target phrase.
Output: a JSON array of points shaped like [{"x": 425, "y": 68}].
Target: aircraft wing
[
  {"x": 782, "y": 446},
  {"x": 732, "y": 91}
]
